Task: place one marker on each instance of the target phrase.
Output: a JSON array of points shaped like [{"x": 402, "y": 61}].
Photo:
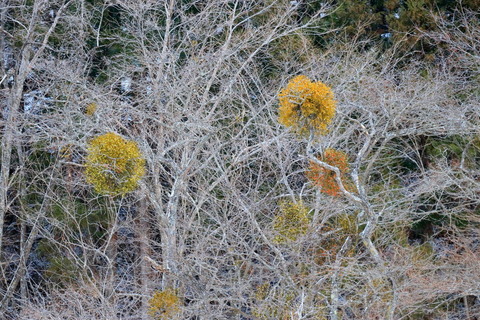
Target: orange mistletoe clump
[
  {"x": 306, "y": 105},
  {"x": 326, "y": 179}
]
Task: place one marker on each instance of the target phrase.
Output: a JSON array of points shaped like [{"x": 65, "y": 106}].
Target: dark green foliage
[
  {"x": 40, "y": 158},
  {"x": 191, "y": 6},
  {"x": 388, "y": 23},
  {"x": 107, "y": 44},
  {"x": 90, "y": 219},
  {"x": 351, "y": 20},
  {"x": 455, "y": 148},
  {"x": 72, "y": 224},
  {"x": 60, "y": 270}
]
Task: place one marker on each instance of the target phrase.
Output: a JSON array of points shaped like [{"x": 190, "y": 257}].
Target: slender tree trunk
[
  {"x": 28, "y": 59},
  {"x": 142, "y": 232},
  {"x": 169, "y": 240},
  {"x": 27, "y": 247},
  {"x": 23, "y": 215},
  {"x": 9, "y": 132}
]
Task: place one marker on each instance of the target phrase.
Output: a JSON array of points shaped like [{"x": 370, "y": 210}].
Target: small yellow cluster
[
  {"x": 114, "y": 165},
  {"x": 326, "y": 179},
  {"x": 273, "y": 303},
  {"x": 90, "y": 109},
  {"x": 291, "y": 222},
  {"x": 306, "y": 105},
  {"x": 164, "y": 305},
  {"x": 66, "y": 151}
]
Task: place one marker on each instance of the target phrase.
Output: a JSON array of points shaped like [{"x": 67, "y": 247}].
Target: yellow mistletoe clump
[
  {"x": 326, "y": 179},
  {"x": 291, "y": 222},
  {"x": 114, "y": 165},
  {"x": 164, "y": 305},
  {"x": 306, "y": 105}
]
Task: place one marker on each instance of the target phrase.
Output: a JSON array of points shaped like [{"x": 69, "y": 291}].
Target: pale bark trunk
[
  {"x": 142, "y": 232},
  {"x": 13, "y": 105},
  {"x": 28, "y": 59},
  {"x": 169, "y": 240},
  {"x": 27, "y": 248}
]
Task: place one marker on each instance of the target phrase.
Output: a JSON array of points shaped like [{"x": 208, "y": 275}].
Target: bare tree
[{"x": 195, "y": 84}]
